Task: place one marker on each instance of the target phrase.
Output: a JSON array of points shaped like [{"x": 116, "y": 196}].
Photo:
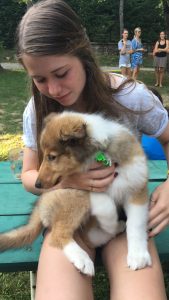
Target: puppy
[{"x": 69, "y": 142}]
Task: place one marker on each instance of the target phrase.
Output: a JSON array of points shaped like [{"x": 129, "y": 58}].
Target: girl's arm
[
  {"x": 165, "y": 49},
  {"x": 30, "y": 171},
  {"x": 159, "y": 209},
  {"x": 164, "y": 140},
  {"x": 167, "y": 46},
  {"x": 155, "y": 48},
  {"x": 123, "y": 49},
  {"x": 97, "y": 177}
]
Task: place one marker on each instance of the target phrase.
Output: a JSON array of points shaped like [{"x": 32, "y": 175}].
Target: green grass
[
  {"x": 7, "y": 55},
  {"x": 113, "y": 60},
  {"x": 14, "y": 94},
  {"x": 14, "y": 286}
]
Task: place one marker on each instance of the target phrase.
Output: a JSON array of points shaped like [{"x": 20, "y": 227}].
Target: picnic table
[{"x": 16, "y": 206}]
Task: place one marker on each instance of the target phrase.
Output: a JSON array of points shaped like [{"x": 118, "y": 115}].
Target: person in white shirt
[
  {"x": 56, "y": 53},
  {"x": 125, "y": 49}
]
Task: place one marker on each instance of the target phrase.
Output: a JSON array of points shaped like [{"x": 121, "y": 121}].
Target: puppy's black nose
[{"x": 38, "y": 184}]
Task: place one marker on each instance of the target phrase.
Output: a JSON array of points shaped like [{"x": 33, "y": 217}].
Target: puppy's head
[{"x": 65, "y": 145}]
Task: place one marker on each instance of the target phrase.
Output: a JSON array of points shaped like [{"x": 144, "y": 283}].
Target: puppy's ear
[
  {"x": 77, "y": 132},
  {"x": 80, "y": 131},
  {"x": 75, "y": 140}
]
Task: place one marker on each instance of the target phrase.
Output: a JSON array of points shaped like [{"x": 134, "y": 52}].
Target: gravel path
[
  {"x": 17, "y": 66},
  {"x": 11, "y": 66}
]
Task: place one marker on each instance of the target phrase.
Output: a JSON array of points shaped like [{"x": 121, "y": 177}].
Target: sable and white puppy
[{"x": 69, "y": 142}]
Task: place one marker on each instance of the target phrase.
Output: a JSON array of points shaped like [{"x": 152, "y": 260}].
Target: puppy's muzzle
[{"x": 38, "y": 184}]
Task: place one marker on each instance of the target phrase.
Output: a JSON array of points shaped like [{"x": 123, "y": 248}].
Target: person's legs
[
  {"x": 58, "y": 279},
  {"x": 126, "y": 284},
  {"x": 161, "y": 75},
  {"x": 135, "y": 72},
  {"x": 128, "y": 72},
  {"x": 123, "y": 71},
  {"x": 157, "y": 76}
]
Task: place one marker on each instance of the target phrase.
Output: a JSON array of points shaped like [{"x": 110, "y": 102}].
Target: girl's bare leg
[
  {"x": 126, "y": 284},
  {"x": 157, "y": 76},
  {"x": 161, "y": 75},
  {"x": 128, "y": 72},
  {"x": 124, "y": 71},
  {"x": 135, "y": 73},
  {"x": 58, "y": 279}
]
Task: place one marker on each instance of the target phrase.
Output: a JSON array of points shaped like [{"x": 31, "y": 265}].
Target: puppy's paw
[
  {"x": 83, "y": 263},
  {"x": 138, "y": 260},
  {"x": 79, "y": 258}
]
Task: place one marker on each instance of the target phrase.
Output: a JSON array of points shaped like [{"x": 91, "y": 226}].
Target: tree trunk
[{"x": 121, "y": 17}]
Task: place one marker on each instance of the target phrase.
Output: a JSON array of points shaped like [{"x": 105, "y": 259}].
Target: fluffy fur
[{"x": 69, "y": 142}]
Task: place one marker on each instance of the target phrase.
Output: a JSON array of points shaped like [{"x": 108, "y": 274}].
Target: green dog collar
[{"x": 101, "y": 157}]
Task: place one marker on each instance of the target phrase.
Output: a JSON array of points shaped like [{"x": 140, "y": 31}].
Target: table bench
[{"x": 16, "y": 205}]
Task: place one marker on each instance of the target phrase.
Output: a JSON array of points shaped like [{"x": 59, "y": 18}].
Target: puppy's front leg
[
  {"x": 79, "y": 258},
  {"x": 137, "y": 216},
  {"x": 67, "y": 210}
]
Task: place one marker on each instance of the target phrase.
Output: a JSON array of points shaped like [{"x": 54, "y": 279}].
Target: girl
[
  {"x": 56, "y": 53},
  {"x": 160, "y": 58},
  {"x": 137, "y": 54},
  {"x": 125, "y": 49}
]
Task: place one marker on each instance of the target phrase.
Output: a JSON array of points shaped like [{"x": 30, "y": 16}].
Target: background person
[
  {"x": 137, "y": 53},
  {"x": 160, "y": 58},
  {"x": 124, "y": 46},
  {"x": 57, "y": 55}
]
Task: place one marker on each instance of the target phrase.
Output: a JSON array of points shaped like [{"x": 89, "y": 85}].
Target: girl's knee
[{"x": 147, "y": 283}]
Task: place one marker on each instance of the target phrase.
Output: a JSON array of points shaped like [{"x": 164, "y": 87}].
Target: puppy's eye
[
  {"x": 51, "y": 157},
  {"x": 70, "y": 142},
  {"x": 73, "y": 141}
]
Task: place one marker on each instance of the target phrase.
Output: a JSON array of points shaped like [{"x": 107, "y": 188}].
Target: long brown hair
[{"x": 51, "y": 27}]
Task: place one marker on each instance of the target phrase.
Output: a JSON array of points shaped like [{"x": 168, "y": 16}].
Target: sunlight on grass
[{"x": 8, "y": 142}]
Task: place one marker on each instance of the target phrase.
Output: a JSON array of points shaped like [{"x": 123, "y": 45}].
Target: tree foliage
[
  {"x": 10, "y": 13},
  {"x": 145, "y": 14},
  {"x": 166, "y": 14},
  {"x": 99, "y": 17}
]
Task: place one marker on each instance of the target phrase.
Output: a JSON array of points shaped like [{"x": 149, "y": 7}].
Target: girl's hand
[
  {"x": 143, "y": 50},
  {"x": 96, "y": 179},
  {"x": 159, "y": 209}
]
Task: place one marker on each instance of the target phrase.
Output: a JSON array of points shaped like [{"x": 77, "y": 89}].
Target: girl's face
[
  {"x": 162, "y": 35},
  {"x": 125, "y": 35},
  {"x": 61, "y": 78},
  {"x": 138, "y": 33}
]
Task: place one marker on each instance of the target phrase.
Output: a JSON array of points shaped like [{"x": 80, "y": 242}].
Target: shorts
[
  {"x": 125, "y": 66},
  {"x": 160, "y": 62},
  {"x": 136, "y": 60}
]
